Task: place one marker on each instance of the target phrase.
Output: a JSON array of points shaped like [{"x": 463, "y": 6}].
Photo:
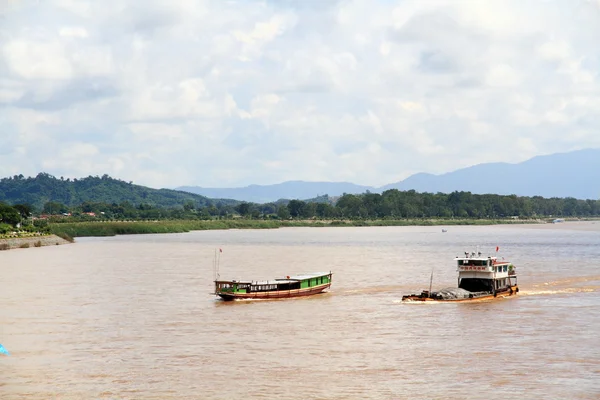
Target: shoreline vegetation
[
  {"x": 113, "y": 228},
  {"x": 103, "y": 206},
  {"x": 65, "y": 232}
]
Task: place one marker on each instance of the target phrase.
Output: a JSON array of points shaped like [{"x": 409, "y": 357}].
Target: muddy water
[{"x": 132, "y": 318}]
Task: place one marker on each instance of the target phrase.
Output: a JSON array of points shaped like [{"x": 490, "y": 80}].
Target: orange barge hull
[{"x": 512, "y": 291}]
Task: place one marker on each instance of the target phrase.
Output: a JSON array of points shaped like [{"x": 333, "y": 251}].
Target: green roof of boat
[{"x": 301, "y": 277}]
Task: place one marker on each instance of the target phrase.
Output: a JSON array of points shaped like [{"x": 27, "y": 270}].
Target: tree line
[
  {"x": 395, "y": 204},
  {"x": 391, "y": 204},
  {"x": 109, "y": 198}
]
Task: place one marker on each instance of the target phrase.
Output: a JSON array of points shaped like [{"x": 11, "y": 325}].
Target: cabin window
[{"x": 505, "y": 268}]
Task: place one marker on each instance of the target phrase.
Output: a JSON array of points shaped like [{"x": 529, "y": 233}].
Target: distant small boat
[
  {"x": 558, "y": 220},
  {"x": 290, "y": 286},
  {"x": 444, "y": 230},
  {"x": 479, "y": 278}
]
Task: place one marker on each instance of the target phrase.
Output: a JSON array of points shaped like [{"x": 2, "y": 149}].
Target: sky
[{"x": 231, "y": 93}]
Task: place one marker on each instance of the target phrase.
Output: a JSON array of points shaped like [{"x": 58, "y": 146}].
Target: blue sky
[{"x": 231, "y": 93}]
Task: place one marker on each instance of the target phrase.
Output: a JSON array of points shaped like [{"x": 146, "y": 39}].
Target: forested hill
[{"x": 46, "y": 188}]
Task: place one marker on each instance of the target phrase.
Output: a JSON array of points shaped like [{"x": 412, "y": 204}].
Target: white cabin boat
[
  {"x": 485, "y": 274},
  {"x": 479, "y": 277}
]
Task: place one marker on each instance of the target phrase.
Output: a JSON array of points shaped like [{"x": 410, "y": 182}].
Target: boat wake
[
  {"x": 569, "y": 281},
  {"x": 534, "y": 292},
  {"x": 563, "y": 286},
  {"x": 371, "y": 290}
]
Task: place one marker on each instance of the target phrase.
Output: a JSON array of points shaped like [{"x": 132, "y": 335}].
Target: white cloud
[
  {"x": 232, "y": 93},
  {"x": 38, "y": 60},
  {"x": 73, "y": 31}
]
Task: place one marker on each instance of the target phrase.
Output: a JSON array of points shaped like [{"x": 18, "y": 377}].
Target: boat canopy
[
  {"x": 312, "y": 275},
  {"x": 287, "y": 279}
]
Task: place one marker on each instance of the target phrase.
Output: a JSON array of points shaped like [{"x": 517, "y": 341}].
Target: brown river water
[{"x": 132, "y": 317}]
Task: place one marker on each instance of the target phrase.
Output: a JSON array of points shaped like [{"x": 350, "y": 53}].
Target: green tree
[
  {"x": 296, "y": 207},
  {"x": 54, "y": 207},
  {"x": 244, "y": 208},
  {"x": 9, "y": 215},
  {"x": 23, "y": 209},
  {"x": 189, "y": 206},
  {"x": 324, "y": 210},
  {"x": 283, "y": 212}
]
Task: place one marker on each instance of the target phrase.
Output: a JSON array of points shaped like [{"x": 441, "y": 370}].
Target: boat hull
[
  {"x": 275, "y": 294},
  {"x": 511, "y": 291}
]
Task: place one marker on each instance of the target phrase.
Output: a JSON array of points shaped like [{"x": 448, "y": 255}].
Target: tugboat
[{"x": 479, "y": 278}]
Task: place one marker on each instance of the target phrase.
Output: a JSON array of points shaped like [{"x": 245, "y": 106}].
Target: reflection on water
[{"x": 132, "y": 317}]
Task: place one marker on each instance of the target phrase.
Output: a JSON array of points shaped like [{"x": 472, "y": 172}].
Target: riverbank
[
  {"x": 31, "y": 241},
  {"x": 113, "y": 228}
]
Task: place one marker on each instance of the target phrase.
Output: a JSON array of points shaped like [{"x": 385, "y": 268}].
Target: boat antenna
[
  {"x": 215, "y": 265},
  {"x": 219, "y": 262},
  {"x": 430, "y": 281}
]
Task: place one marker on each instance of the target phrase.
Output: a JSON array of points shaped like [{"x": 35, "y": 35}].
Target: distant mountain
[
  {"x": 44, "y": 188},
  {"x": 287, "y": 190},
  {"x": 574, "y": 174}
]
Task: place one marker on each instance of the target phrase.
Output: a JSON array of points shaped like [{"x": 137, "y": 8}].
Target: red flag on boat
[{"x": 497, "y": 248}]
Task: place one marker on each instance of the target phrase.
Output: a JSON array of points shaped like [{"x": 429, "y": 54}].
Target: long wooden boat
[
  {"x": 290, "y": 286},
  {"x": 479, "y": 278}
]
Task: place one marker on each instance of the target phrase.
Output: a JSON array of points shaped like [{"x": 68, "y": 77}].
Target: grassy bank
[{"x": 112, "y": 228}]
